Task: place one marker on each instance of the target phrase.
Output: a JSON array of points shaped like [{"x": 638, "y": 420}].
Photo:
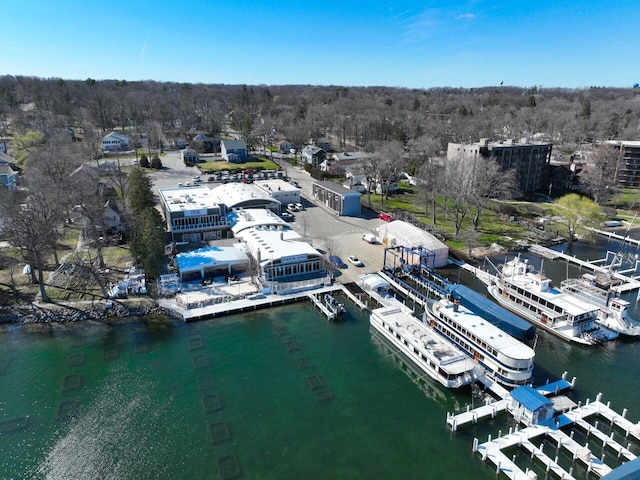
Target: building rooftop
[
  {"x": 277, "y": 242},
  {"x": 233, "y": 195},
  {"x": 242, "y": 219},
  {"x": 337, "y": 188},
  {"x": 275, "y": 185},
  {"x": 189, "y": 198}
]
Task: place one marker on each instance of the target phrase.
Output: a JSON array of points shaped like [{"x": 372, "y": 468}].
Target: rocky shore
[{"x": 48, "y": 313}]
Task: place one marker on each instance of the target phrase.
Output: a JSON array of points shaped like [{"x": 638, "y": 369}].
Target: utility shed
[
  {"x": 398, "y": 233},
  {"x": 534, "y": 407},
  {"x": 341, "y": 200}
]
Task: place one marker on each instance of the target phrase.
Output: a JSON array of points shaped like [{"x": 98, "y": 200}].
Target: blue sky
[{"x": 399, "y": 43}]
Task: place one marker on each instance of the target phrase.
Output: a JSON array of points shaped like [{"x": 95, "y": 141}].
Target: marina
[{"x": 578, "y": 416}]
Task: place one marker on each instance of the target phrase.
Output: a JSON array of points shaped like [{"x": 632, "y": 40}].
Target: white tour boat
[
  {"x": 503, "y": 358},
  {"x": 613, "y": 312},
  {"x": 424, "y": 347},
  {"x": 532, "y": 296}
]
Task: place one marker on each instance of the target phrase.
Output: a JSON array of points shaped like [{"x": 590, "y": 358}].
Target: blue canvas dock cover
[{"x": 496, "y": 315}]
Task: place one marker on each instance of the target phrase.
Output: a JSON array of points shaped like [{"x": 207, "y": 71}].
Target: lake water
[{"x": 274, "y": 394}]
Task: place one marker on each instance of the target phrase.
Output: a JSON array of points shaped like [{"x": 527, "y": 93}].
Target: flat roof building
[
  {"x": 338, "y": 198},
  {"x": 628, "y": 165},
  {"x": 282, "y": 191},
  {"x": 530, "y": 160},
  {"x": 193, "y": 214}
]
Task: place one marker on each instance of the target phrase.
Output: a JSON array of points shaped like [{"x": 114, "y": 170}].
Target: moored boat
[
  {"x": 532, "y": 296},
  {"x": 425, "y": 348},
  {"x": 613, "y": 312},
  {"x": 504, "y": 359}
]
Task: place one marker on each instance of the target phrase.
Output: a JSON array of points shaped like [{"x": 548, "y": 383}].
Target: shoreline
[{"x": 78, "y": 312}]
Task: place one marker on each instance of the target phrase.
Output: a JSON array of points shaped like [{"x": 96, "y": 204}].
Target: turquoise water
[
  {"x": 288, "y": 395},
  {"x": 273, "y": 394}
]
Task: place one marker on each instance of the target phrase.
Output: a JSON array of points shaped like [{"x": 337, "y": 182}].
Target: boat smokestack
[{"x": 456, "y": 304}]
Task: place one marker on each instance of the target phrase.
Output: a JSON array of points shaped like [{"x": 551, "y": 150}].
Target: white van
[{"x": 369, "y": 237}]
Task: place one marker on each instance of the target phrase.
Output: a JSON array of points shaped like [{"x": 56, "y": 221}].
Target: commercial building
[
  {"x": 338, "y": 198},
  {"x": 529, "y": 160},
  {"x": 285, "y": 263},
  {"x": 282, "y": 191},
  {"x": 193, "y": 214}
]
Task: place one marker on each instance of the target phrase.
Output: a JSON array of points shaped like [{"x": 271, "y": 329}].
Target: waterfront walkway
[{"x": 253, "y": 302}]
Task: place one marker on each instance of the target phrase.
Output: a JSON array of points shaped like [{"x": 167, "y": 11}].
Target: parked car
[
  {"x": 337, "y": 261},
  {"x": 355, "y": 261},
  {"x": 287, "y": 217},
  {"x": 370, "y": 237},
  {"x": 295, "y": 184},
  {"x": 385, "y": 216},
  {"x": 299, "y": 207},
  {"x": 292, "y": 208}
]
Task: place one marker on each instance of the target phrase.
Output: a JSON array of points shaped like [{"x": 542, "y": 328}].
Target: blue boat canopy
[{"x": 496, "y": 315}]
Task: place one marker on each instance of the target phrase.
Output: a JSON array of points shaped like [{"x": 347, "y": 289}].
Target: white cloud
[{"x": 466, "y": 16}]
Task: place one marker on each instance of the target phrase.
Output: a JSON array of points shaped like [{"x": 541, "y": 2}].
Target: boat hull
[
  {"x": 529, "y": 317},
  {"x": 431, "y": 372}
]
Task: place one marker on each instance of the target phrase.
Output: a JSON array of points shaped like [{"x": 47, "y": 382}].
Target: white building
[
  {"x": 193, "y": 214},
  {"x": 115, "y": 142},
  {"x": 399, "y": 233},
  {"x": 244, "y": 195},
  {"x": 282, "y": 191},
  {"x": 286, "y": 263}
]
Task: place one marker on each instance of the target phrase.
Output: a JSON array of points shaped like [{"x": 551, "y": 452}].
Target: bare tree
[
  {"x": 601, "y": 177},
  {"x": 487, "y": 181}
]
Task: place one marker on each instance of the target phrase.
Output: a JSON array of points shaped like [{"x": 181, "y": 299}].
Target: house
[
  {"x": 189, "y": 156},
  {"x": 324, "y": 143},
  {"x": 234, "y": 151},
  {"x": 357, "y": 183},
  {"x": 115, "y": 142},
  {"x": 8, "y": 176},
  {"x": 339, "y": 199},
  {"x": 205, "y": 143},
  {"x": 285, "y": 146},
  {"x": 313, "y": 155},
  {"x": 111, "y": 218}
]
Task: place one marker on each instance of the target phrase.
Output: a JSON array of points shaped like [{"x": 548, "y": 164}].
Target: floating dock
[{"x": 576, "y": 416}]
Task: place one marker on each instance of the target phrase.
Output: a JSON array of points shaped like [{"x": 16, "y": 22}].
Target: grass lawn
[{"x": 259, "y": 163}]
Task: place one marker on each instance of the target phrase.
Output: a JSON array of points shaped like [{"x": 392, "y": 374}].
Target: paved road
[{"x": 326, "y": 230}]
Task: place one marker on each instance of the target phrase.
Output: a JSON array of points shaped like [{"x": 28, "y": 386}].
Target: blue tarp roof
[
  {"x": 529, "y": 398},
  {"x": 493, "y": 313}
]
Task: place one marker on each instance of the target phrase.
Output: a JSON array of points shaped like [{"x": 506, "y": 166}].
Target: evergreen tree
[{"x": 140, "y": 193}]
